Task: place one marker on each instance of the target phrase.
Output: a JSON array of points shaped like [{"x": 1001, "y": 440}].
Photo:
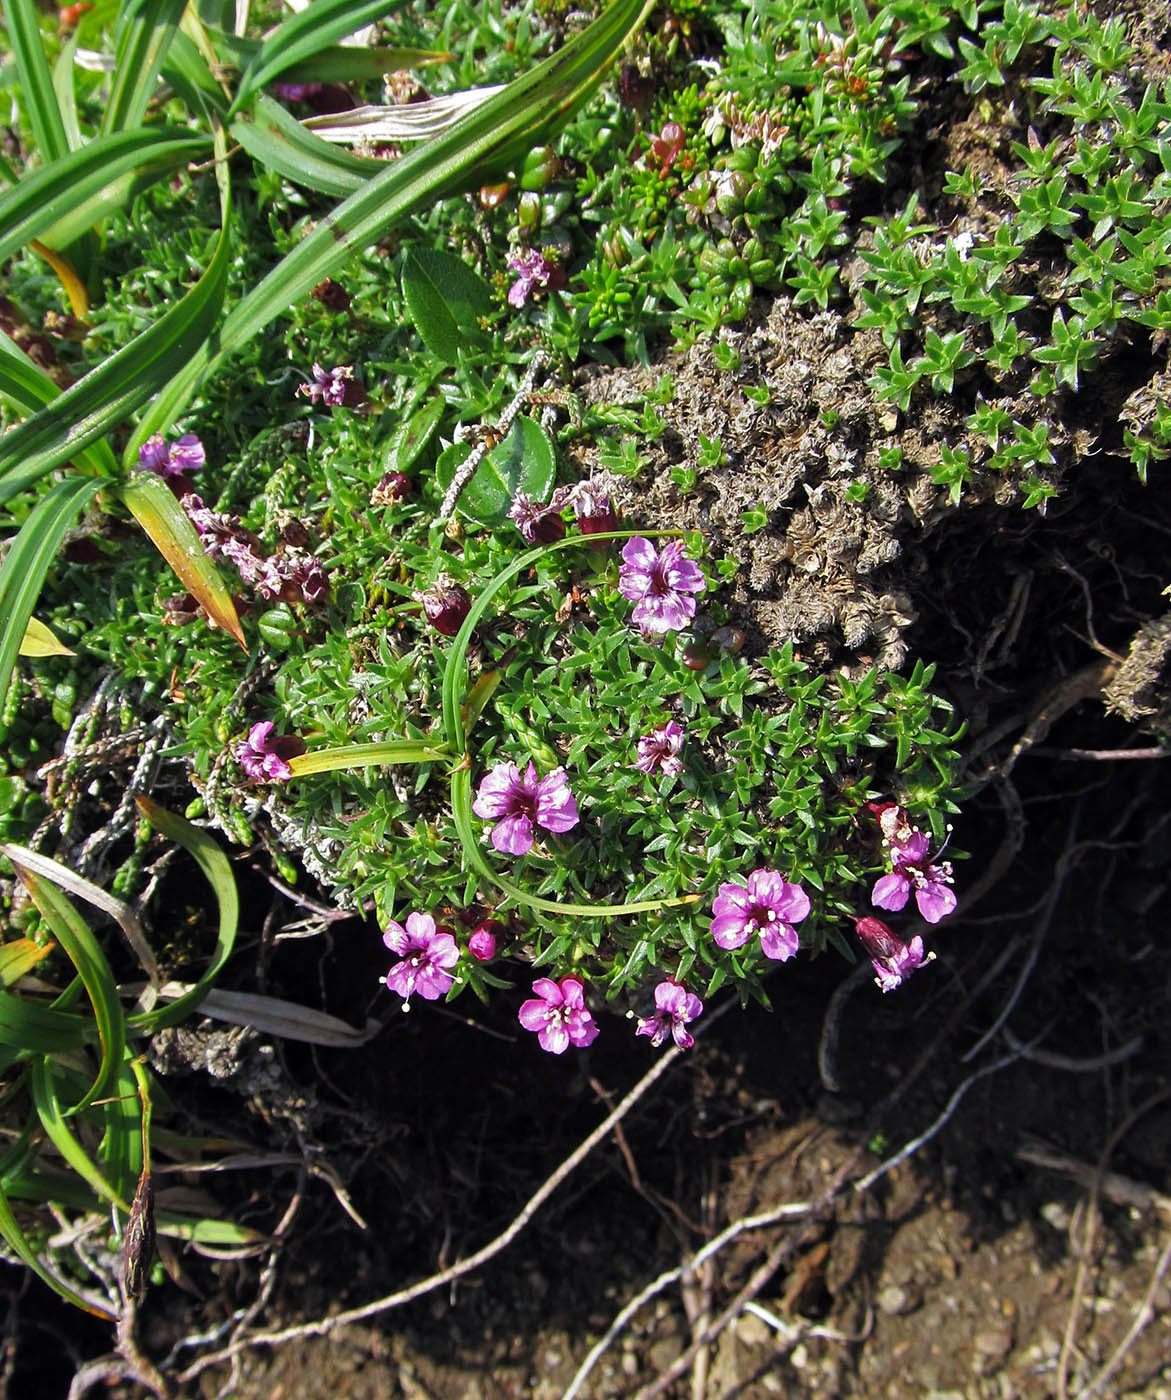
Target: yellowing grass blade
[{"x": 40, "y": 640}]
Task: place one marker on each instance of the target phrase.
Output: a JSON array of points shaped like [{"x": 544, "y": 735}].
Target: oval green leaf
[
  {"x": 446, "y": 299},
  {"x": 523, "y": 461}
]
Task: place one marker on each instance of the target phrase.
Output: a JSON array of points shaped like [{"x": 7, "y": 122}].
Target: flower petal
[{"x": 513, "y": 836}]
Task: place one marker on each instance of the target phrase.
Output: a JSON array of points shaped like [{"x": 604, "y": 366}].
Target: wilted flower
[
  {"x": 445, "y": 605},
  {"x": 660, "y": 749},
  {"x": 893, "y": 960},
  {"x": 426, "y": 952},
  {"x": 539, "y": 524},
  {"x": 558, "y": 1015},
  {"x": 515, "y": 803},
  {"x": 293, "y": 577},
  {"x": 676, "y": 1008},
  {"x": 265, "y": 755},
  {"x": 394, "y": 486},
  {"x": 336, "y": 387},
  {"x": 767, "y": 905},
  {"x": 658, "y": 582},
  {"x": 912, "y": 869},
  {"x": 535, "y": 271},
  {"x": 594, "y": 511},
  {"x": 332, "y": 295}
]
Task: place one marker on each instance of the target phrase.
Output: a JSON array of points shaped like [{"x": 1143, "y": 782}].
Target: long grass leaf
[
  {"x": 65, "y": 91},
  {"x": 111, "y": 392},
  {"x": 144, "y": 32},
  {"x": 339, "y": 63},
  {"x": 67, "y": 196},
  {"x": 490, "y": 139},
  {"x": 15, "y": 1238},
  {"x": 349, "y": 756},
  {"x": 171, "y": 532},
  {"x": 120, "y": 1154},
  {"x": 29, "y": 559},
  {"x": 277, "y": 140},
  {"x": 35, "y": 80},
  {"x": 57, "y": 1130},
  {"x": 218, "y": 870},
  {"x": 302, "y": 35},
  {"x": 84, "y": 952},
  {"x": 189, "y": 73},
  {"x": 27, "y": 388},
  {"x": 41, "y": 1030}
]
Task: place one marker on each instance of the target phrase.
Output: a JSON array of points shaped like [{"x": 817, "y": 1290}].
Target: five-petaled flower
[
  {"x": 335, "y": 387},
  {"x": 558, "y": 1015},
  {"x": 515, "y": 803},
  {"x": 659, "y": 583},
  {"x": 660, "y": 749},
  {"x": 426, "y": 952},
  {"x": 265, "y": 755},
  {"x": 912, "y": 868},
  {"x": 893, "y": 960},
  {"x": 767, "y": 905},
  {"x": 676, "y": 1007}
]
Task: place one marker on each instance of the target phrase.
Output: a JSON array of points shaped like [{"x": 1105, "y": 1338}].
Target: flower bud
[
  {"x": 728, "y": 641},
  {"x": 493, "y": 196},
  {"x": 331, "y": 295},
  {"x": 483, "y": 939},
  {"x": 445, "y": 605},
  {"x": 528, "y": 213},
  {"x": 636, "y": 90}
]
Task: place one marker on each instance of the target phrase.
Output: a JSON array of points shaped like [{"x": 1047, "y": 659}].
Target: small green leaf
[
  {"x": 413, "y": 436},
  {"x": 446, "y": 298},
  {"x": 523, "y": 461}
]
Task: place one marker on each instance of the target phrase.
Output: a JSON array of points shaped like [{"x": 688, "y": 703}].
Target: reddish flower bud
[
  {"x": 332, "y": 295},
  {"x": 394, "y": 486},
  {"x": 483, "y": 939},
  {"x": 445, "y": 605},
  {"x": 636, "y": 90}
]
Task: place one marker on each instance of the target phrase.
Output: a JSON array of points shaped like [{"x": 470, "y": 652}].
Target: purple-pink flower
[
  {"x": 676, "y": 1008},
  {"x": 660, "y": 749},
  {"x": 185, "y": 455},
  {"x": 515, "y": 803},
  {"x": 893, "y": 960},
  {"x": 265, "y": 755},
  {"x": 539, "y": 523},
  {"x": 334, "y": 387},
  {"x": 535, "y": 270},
  {"x": 558, "y": 1015},
  {"x": 912, "y": 869},
  {"x": 767, "y": 905},
  {"x": 659, "y": 583},
  {"x": 426, "y": 952}
]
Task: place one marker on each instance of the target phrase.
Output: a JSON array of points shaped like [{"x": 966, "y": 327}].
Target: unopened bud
[{"x": 445, "y": 605}]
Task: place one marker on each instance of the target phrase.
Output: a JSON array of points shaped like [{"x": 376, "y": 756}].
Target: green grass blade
[
  {"x": 302, "y": 35},
  {"x": 277, "y": 140},
  {"x": 120, "y": 1154},
  {"x": 66, "y": 93},
  {"x": 29, "y": 559},
  {"x": 339, "y": 63},
  {"x": 15, "y": 1238},
  {"x": 143, "y": 35},
  {"x": 27, "y": 388},
  {"x": 111, "y": 392},
  {"x": 57, "y": 1130},
  {"x": 491, "y": 138},
  {"x": 40, "y": 1030},
  {"x": 84, "y": 952},
  {"x": 153, "y": 505},
  {"x": 187, "y": 71},
  {"x": 349, "y": 756},
  {"x": 216, "y": 867},
  {"x": 62, "y": 199},
  {"x": 35, "y": 81}
]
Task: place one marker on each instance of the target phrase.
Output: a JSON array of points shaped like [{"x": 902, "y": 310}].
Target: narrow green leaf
[
  {"x": 57, "y": 1130},
  {"x": 154, "y": 506},
  {"x": 27, "y": 388},
  {"x": 339, "y": 63},
  {"x": 271, "y": 136},
  {"x": 412, "y": 437},
  {"x": 65, "y": 92},
  {"x": 15, "y": 1238},
  {"x": 522, "y": 461},
  {"x": 35, "y": 82},
  {"x": 57, "y": 202},
  {"x": 216, "y": 867},
  {"x": 305, "y": 34},
  {"x": 188, "y": 71},
  {"x": 19, "y": 956},
  {"x": 349, "y": 756},
  {"x": 486, "y": 142},
  {"x": 29, "y": 558},
  {"x": 110, "y": 393},
  {"x": 446, "y": 298},
  {"x": 84, "y": 952},
  {"x": 143, "y": 34},
  {"x": 41, "y": 1030},
  {"x": 120, "y": 1154}
]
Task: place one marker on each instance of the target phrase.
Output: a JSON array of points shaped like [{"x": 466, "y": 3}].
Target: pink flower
[
  {"x": 515, "y": 803},
  {"x": 335, "y": 387},
  {"x": 913, "y": 870},
  {"x": 187, "y": 455},
  {"x": 767, "y": 905},
  {"x": 658, "y": 582},
  {"x": 426, "y": 952},
  {"x": 482, "y": 942},
  {"x": 594, "y": 510},
  {"x": 535, "y": 271},
  {"x": 893, "y": 960},
  {"x": 539, "y": 524},
  {"x": 265, "y": 755},
  {"x": 660, "y": 749},
  {"x": 558, "y": 1015},
  {"x": 676, "y": 1008}
]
